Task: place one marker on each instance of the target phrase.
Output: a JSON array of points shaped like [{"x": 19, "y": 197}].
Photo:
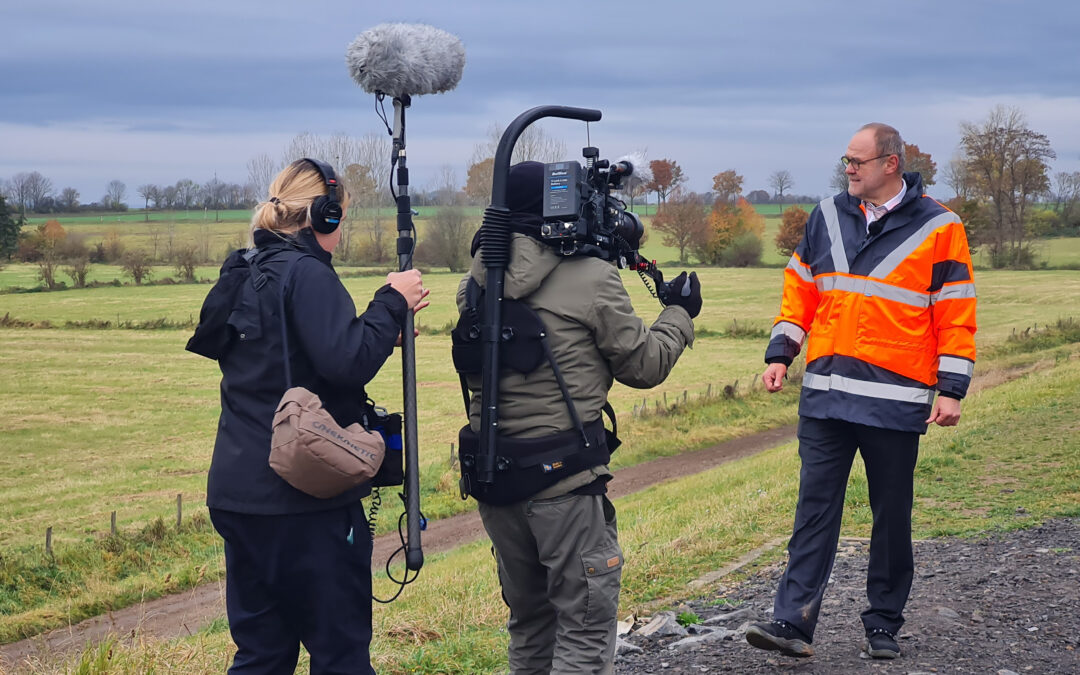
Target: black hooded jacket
[{"x": 332, "y": 351}]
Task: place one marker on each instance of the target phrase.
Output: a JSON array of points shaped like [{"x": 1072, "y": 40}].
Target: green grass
[
  {"x": 102, "y": 420},
  {"x": 1013, "y": 462}
]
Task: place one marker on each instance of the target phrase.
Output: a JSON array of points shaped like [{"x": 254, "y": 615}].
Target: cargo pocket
[{"x": 603, "y": 571}]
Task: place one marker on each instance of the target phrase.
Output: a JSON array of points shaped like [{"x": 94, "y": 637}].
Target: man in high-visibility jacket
[{"x": 881, "y": 289}]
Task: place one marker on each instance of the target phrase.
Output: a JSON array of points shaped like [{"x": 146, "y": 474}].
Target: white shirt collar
[{"x": 877, "y": 212}]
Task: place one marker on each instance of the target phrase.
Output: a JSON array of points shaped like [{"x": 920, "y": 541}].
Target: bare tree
[
  {"x": 1007, "y": 164},
  {"x": 446, "y": 241},
  {"x": 187, "y": 193},
  {"x": 1066, "y": 192},
  {"x": 148, "y": 191},
  {"x": 261, "y": 172},
  {"x": 780, "y": 181},
  {"x": 213, "y": 194},
  {"x": 30, "y": 190},
  {"x": 69, "y": 199},
  {"x": 115, "y": 192},
  {"x": 373, "y": 152},
  {"x": 136, "y": 264},
  {"x": 445, "y": 187},
  {"x": 534, "y": 144},
  {"x": 839, "y": 180},
  {"x": 956, "y": 177}
]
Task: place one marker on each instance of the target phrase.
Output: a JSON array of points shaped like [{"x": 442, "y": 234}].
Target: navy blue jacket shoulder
[{"x": 332, "y": 351}]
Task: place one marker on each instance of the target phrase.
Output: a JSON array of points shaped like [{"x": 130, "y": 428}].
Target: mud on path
[
  {"x": 185, "y": 613},
  {"x": 1008, "y": 603}
]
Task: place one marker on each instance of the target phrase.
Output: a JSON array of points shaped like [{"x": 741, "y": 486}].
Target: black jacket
[{"x": 332, "y": 351}]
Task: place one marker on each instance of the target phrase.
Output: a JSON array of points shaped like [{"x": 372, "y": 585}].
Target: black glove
[{"x": 685, "y": 294}]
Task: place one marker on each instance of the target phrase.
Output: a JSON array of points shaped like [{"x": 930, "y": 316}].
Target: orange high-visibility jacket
[{"x": 889, "y": 317}]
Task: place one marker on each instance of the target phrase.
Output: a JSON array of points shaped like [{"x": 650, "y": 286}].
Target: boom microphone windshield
[
  {"x": 633, "y": 165},
  {"x": 405, "y": 59}
]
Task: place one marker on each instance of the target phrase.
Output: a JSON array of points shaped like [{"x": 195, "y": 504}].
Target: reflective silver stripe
[
  {"x": 832, "y": 222},
  {"x": 802, "y": 270},
  {"x": 892, "y": 392},
  {"x": 825, "y": 284},
  {"x": 954, "y": 291},
  {"x": 872, "y": 288},
  {"x": 953, "y": 364},
  {"x": 901, "y": 252},
  {"x": 789, "y": 329}
]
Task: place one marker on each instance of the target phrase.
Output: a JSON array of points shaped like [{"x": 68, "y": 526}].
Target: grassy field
[
  {"x": 1014, "y": 461},
  {"x": 97, "y": 421},
  {"x": 196, "y": 228}
]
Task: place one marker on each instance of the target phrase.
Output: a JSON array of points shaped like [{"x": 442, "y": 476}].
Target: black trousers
[
  {"x": 293, "y": 579},
  {"x": 827, "y": 449}
]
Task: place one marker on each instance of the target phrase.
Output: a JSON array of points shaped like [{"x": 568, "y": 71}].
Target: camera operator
[{"x": 557, "y": 548}]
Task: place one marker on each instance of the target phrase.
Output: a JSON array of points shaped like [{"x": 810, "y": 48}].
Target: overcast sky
[{"x": 145, "y": 91}]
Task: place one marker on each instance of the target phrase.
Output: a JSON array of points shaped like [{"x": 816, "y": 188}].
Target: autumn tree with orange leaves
[
  {"x": 683, "y": 221},
  {"x": 667, "y": 175},
  {"x": 733, "y": 237},
  {"x": 792, "y": 227},
  {"x": 478, "y": 183},
  {"x": 727, "y": 185},
  {"x": 921, "y": 162}
]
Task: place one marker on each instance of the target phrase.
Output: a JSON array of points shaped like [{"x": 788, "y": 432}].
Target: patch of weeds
[{"x": 688, "y": 619}]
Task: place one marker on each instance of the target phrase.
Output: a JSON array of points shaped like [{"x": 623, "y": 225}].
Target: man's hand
[
  {"x": 946, "y": 412},
  {"x": 773, "y": 377},
  {"x": 685, "y": 291}
]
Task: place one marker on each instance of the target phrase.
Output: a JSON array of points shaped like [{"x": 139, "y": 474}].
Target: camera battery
[{"x": 562, "y": 191}]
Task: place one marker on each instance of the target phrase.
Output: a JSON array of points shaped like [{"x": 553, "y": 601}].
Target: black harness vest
[{"x": 523, "y": 466}]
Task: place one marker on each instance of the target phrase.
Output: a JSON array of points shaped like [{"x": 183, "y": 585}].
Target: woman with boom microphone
[{"x": 298, "y": 567}]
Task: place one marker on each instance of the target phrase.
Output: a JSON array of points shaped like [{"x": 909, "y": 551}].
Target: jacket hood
[
  {"x": 530, "y": 263},
  {"x": 304, "y": 240}
]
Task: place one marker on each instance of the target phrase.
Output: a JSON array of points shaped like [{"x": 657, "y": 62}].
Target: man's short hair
[{"x": 888, "y": 141}]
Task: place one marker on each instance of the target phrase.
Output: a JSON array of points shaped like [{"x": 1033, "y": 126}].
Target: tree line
[
  {"x": 1001, "y": 178},
  {"x": 30, "y": 192},
  {"x": 999, "y": 174}
]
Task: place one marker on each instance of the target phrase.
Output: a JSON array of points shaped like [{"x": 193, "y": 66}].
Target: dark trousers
[
  {"x": 827, "y": 449},
  {"x": 293, "y": 579}
]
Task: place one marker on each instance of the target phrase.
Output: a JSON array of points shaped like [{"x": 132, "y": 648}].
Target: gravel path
[{"x": 1009, "y": 603}]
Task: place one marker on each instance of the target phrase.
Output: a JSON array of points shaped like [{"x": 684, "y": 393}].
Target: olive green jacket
[{"x": 594, "y": 334}]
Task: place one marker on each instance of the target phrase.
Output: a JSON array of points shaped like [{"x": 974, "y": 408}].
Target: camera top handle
[{"x": 495, "y": 254}]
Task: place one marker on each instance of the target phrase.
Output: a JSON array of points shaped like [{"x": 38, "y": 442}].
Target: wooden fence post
[
  {"x": 48, "y": 541},
  {"x": 179, "y": 510},
  {"x": 112, "y": 524}
]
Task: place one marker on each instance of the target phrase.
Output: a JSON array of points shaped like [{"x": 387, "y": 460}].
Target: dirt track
[{"x": 184, "y": 613}]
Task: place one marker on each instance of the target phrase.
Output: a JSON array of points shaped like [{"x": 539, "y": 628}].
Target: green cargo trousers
[{"x": 560, "y": 567}]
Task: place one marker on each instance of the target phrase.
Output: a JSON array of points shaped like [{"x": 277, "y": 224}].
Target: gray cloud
[{"x": 144, "y": 91}]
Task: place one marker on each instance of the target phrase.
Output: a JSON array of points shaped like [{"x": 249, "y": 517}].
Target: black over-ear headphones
[{"x": 326, "y": 209}]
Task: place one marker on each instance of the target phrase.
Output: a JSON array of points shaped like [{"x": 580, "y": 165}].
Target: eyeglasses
[{"x": 857, "y": 163}]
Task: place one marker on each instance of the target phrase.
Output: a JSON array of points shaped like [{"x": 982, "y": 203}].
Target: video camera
[{"x": 582, "y": 217}]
